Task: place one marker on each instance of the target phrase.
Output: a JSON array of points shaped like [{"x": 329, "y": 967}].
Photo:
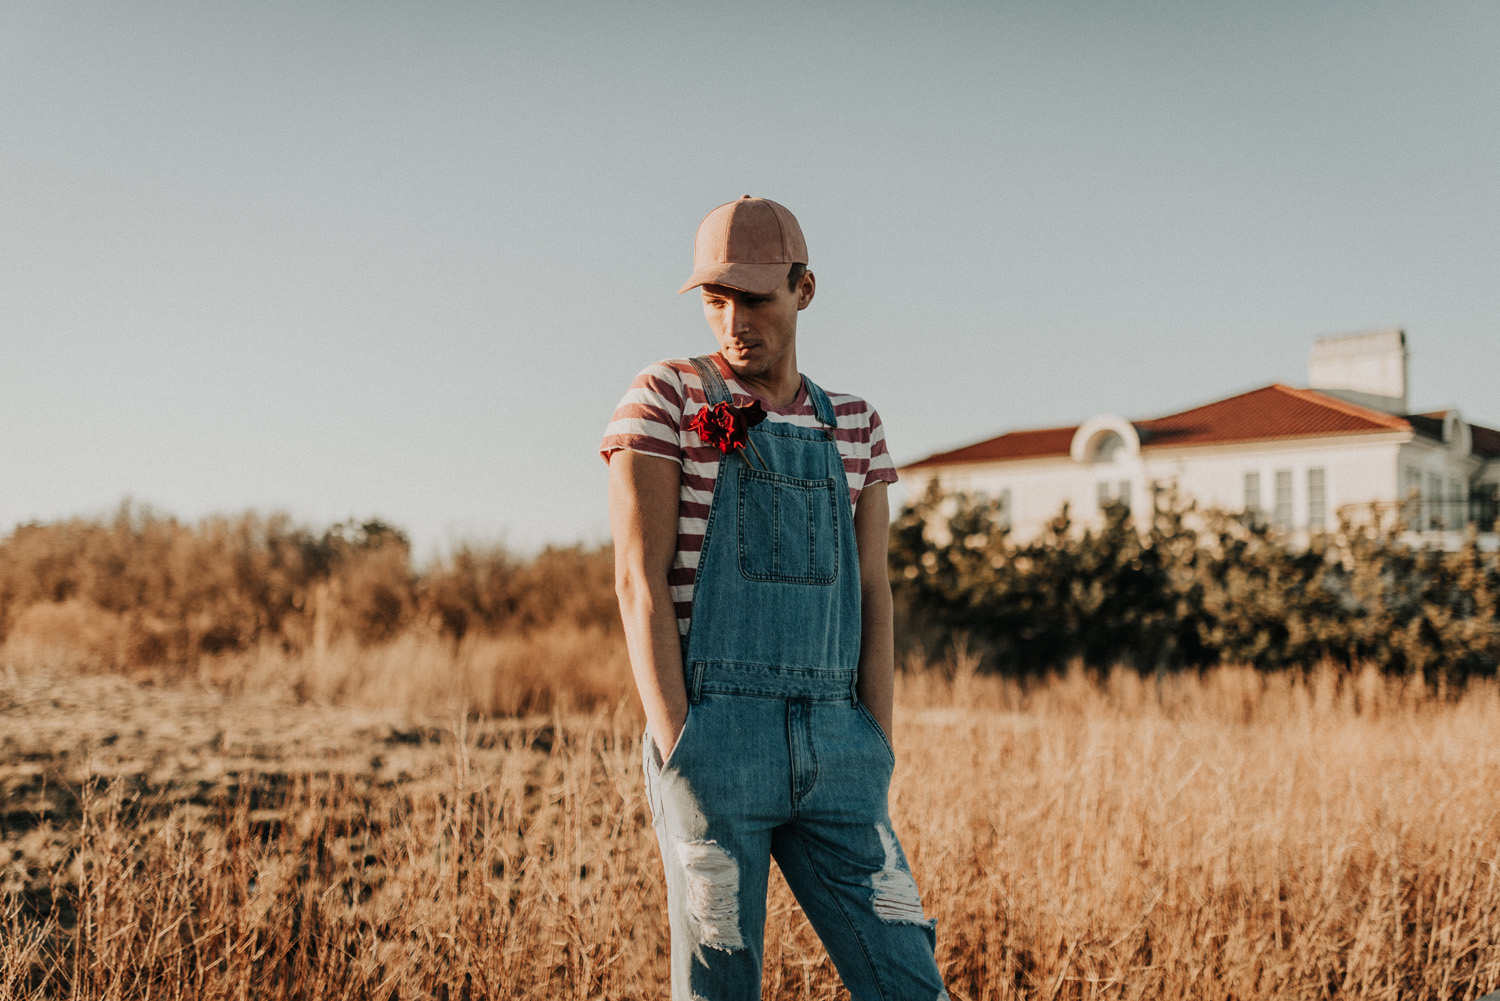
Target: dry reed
[{"x": 1231, "y": 835}]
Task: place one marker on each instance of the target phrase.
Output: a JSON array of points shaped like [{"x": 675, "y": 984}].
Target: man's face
[{"x": 756, "y": 332}]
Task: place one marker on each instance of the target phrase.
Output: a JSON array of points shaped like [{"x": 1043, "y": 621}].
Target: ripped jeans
[{"x": 801, "y": 776}]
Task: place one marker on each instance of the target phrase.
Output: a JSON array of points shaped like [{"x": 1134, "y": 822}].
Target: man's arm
[
  {"x": 877, "y": 646},
  {"x": 643, "y": 520}
]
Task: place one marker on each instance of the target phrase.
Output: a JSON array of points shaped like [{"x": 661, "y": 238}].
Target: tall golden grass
[
  {"x": 1224, "y": 835},
  {"x": 419, "y": 672},
  {"x": 143, "y": 593}
]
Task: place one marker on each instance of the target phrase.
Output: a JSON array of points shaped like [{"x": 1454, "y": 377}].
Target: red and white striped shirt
[{"x": 652, "y": 418}]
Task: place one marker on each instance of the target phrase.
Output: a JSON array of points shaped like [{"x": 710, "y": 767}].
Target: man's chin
[{"x": 745, "y": 368}]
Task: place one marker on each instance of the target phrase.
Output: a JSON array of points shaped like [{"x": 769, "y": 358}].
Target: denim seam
[
  {"x": 675, "y": 754},
  {"x": 794, "y": 802},
  {"x": 761, "y": 693},
  {"x": 781, "y": 429},
  {"x": 838, "y": 903},
  {"x": 874, "y": 724},
  {"x": 775, "y": 530},
  {"x": 812, "y": 544},
  {"x": 819, "y": 669},
  {"x": 812, "y": 757}
]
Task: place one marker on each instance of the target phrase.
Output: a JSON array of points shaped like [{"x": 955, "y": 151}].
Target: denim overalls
[{"x": 778, "y": 757}]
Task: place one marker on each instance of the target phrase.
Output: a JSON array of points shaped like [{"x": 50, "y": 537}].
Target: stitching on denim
[
  {"x": 800, "y": 792},
  {"x": 782, "y": 429},
  {"x": 794, "y": 800},
  {"x": 820, "y": 669},
  {"x": 714, "y": 388},
  {"x": 775, "y": 529},
  {"x": 875, "y": 725},
  {"x": 765, "y": 693},
  {"x": 812, "y": 537},
  {"x": 838, "y": 904},
  {"x": 824, "y": 486},
  {"x": 812, "y": 747}
]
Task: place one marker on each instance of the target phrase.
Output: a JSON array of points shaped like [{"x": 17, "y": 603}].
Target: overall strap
[
  {"x": 716, "y": 391},
  {"x": 822, "y": 406},
  {"x": 713, "y": 382}
]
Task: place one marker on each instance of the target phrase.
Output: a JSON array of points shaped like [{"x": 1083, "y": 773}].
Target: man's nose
[{"x": 736, "y": 316}]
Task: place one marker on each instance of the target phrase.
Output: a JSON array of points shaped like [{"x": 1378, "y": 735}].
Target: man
[{"x": 750, "y": 564}]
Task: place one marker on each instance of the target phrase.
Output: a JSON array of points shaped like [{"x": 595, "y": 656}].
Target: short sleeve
[
  {"x": 648, "y": 417},
  {"x": 882, "y": 469}
]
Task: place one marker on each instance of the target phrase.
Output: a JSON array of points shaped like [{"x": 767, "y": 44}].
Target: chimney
[{"x": 1368, "y": 369}]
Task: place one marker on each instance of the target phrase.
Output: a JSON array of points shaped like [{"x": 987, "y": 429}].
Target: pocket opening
[{"x": 869, "y": 717}]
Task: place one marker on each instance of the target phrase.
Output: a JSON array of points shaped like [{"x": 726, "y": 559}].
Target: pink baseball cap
[{"x": 749, "y": 244}]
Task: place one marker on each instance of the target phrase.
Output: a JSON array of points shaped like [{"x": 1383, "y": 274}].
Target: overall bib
[{"x": 778, "y": 758}]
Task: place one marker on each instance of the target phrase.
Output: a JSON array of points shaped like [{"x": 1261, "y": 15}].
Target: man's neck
[{"x": 778, "y": 386}]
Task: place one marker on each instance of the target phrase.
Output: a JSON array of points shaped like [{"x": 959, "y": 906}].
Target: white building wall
[
  {"x": 1037, "y": 488},
  {"x": 1356, "y": 471}
]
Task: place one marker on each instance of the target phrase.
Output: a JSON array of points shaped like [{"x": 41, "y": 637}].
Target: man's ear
[{"x": 806, "y": 287}]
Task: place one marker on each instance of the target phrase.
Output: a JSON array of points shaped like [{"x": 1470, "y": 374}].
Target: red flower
[{"x": 725, "y": 427}]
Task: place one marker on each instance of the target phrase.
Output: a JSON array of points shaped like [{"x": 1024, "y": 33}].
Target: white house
[{"x": 1300, "y": 458}]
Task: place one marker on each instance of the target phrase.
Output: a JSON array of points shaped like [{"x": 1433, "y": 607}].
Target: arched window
[{"x": 1107, "y": 447}]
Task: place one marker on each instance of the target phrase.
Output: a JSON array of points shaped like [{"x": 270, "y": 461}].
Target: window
[
  {"x": 1317, "y": 500},
  {"x": 1003, "y": 503},
  {"x": 1281, "y": 514},
  {"x": 1484, "y": 502},
  {"x": 1434, "y": 500},
  {"x": 1103, "y": 493},
  {"x": 1458, "y": 514},
  {"x": 1123, "y": 496},
  {"x": 1411, "y": 496},
  {"x": 1252, "y": 493}
]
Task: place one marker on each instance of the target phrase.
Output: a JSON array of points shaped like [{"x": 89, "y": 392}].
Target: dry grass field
[{"x": 344, "y": 825}]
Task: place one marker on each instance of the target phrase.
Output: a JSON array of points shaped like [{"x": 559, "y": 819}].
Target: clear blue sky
[{"x": 399, "y": 260}]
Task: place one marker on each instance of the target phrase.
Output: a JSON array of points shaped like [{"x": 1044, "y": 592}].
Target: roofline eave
[{"x": 1374, "y": 436}]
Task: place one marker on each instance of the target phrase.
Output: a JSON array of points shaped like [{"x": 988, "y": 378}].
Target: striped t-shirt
[{"x": 653, "y": 416}]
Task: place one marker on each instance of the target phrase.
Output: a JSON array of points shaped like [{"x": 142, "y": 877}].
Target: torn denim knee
[
  {"x": 896, "y": 898},
  {"x": 713, "y": 893}
]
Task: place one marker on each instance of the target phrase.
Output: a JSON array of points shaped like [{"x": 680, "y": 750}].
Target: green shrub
[{"x": 1189, "y": 590}]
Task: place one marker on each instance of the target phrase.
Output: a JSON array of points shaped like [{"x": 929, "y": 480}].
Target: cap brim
[{"x": 757, "y": 279}]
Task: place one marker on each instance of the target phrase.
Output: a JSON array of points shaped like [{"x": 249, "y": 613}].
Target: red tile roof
[
  {"x": 1268, "y": 414},
  {"x": 1036, "y": 444}
]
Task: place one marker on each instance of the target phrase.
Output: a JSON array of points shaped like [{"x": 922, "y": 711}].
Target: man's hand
[{"x": 643, "y": 492}]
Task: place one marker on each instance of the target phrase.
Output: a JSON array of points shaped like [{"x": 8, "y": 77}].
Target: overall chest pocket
[{"x": 788, "y": 528}]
